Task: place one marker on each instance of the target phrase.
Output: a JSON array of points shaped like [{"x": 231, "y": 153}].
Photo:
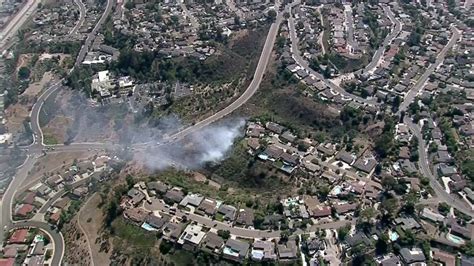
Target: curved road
[
  {"x": 56, "y": 238},
  {"x": 37, "y": 146},
  {"x": 410, "y": 96},
  {"x": 387, "y": 41},
  {"x": 304, "y": 64},
  {"x": 35, "y": 149},
  {"x": 82, "y": 16},
  {"x": 369, "y": 68},
  {"x": 424, "y": 165}
]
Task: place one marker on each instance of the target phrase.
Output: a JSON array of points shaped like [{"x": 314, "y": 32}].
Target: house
[
  {"x": 404, "y": 153},
  {"x": 79, "y": 192},
  {"x": 443, "y": 157},
  {"x": 389, "y": 260},
  {"x": 207, "y": 206},
  {"x": 253, "y": 143},
  {"x": 7, "y": 262},
  {"x": 62, "y": 203},
  {"x": 37, "y": 260},
  {"x": 414, "y": 256},
  {"x": 407, "y": 223},
  {"x": 273, "y": 151},
  {"x": 343, "y": 207},
  {"x": 235, "y": 250},
  {"x": 54, "y": 181},
  {"x": 288, "y": 137},
  {"x": 174, "y": 195},
  {"x": 43, "y": 190},
  {"x": 229, "y": 212},
  {"x": 318, "y": 211},
  {"x": 288, "y": 251},
  {"x": 432, "y": 216},
  {"x": 24, "y": 210},
  {"x": 263, "y": 250},
  {"x": 457, "y": 185},
  {"x": 192, "y": 200},
  {"x": 357, "y": 239},
  {"x": 314, "y": 244},
  {"x": 443, "y": 257},
  {"x": 172, "y": 231},
  {"x": 345, "y": 157},
  {"x": 135, "y": 196},
  {"x": 136, "y": 215},
  {"x": 289, "y": 158},
  {"x": 469, "y": 194},
  {"x": 29, "y": 198},
  {"x": 191, "y": 237},
  {"x": 18, "y": 237},
  {"x": 157, "y": 222},
  {"x": 38, "y": 248},
  {"x": 446, "y": 170},
  {"x": 212, "y": 242},
  {"x": 274, "y": 127},
  {"x": 245, "y": 217},
  {"x": 365, "y": 163},
  {"x": 54, "y": 217},
  {"x": 461, "y": 231},
  {"x": 158, "y": 187}
]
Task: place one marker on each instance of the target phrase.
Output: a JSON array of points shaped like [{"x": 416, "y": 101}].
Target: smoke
[
  {"x": 114, "y": 123},
  {"x": 210, "y": 144}
]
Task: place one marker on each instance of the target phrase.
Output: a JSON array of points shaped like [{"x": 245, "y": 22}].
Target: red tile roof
[
  {"x": 18, "y": 237},
  {"x": 25, "y": 209},
  {"x": 7, "y": 262}
]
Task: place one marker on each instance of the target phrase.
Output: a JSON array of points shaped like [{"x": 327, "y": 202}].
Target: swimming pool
[
  {"x": 393, "y": 235},
  {"x": 336, "y": 190},
  {"x": 455, "y": 239}
]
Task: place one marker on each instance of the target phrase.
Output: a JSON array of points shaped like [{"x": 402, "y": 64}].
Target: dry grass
[{"x": 91, "y": 219}]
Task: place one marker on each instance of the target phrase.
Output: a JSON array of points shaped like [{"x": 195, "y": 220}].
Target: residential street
[{"x": 424, "y": 165}]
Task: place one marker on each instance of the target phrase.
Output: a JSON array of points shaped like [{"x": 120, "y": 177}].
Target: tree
[
  {"x": 272, "y": 14},
  {"x": 468, "y": 249},
  {"x": 388, "y": 182},
  {"x": 165, "y": 247},
  {"x": 389, "y": 208},
  {"x": 225, "y": 234},
  {"x": 343, "y": 232},
  {"x": 443, "y": 208},
  {"x": 367, "y": 214},
  {"x": 381, "y": 246},
  {"x": 23, "y": 73},
  {"x": 284, "y": 235}
]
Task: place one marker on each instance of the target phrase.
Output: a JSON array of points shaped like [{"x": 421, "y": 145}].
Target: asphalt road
[
  {"x": 304, "y": 64},
  {"x": 249, "y": 92},
  {"x": 157, "y": 205},
  {"x": 7, "y": 200},
  {"x": 410, "y": 96},
  {"x": 17, "y": 21},
  {"x": 387, "y": 41},
  {"x": 55, "y": 236},
  {"x": 82, "y": 16},
  {"x": 91, "y": 36},
  {"x": 37, "y": 146},
  {"x": 59, "y": 194},
  {"x": 424, "y": 165}
]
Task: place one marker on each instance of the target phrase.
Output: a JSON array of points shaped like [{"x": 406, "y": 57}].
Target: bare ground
[
  {"x": 76, "y": 252},
  {"x": 91, "y": 219},
  {"x": 52, "y": 163}
]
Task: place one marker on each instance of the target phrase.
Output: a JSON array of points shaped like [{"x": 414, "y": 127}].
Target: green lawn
[
  {"x": 49, "y": 140},
  {"x": 134, "y": 235}
]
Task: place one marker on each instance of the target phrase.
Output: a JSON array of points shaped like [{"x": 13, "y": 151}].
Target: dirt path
[{"x": 90, "y": 220}]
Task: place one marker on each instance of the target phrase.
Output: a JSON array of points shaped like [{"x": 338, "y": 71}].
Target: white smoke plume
[{"x": 211, "y": 144}]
